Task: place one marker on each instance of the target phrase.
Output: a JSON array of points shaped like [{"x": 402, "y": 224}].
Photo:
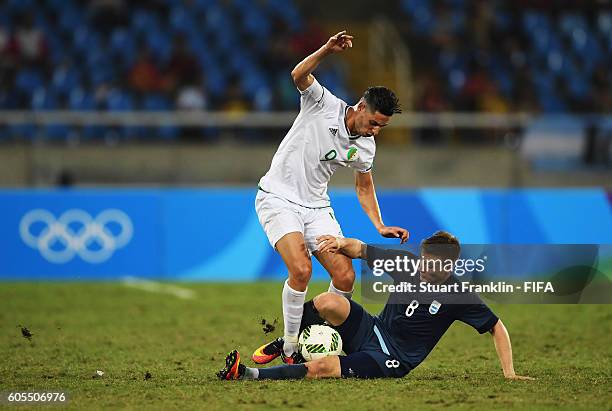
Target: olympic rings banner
[{"x": 214, "y": 234}]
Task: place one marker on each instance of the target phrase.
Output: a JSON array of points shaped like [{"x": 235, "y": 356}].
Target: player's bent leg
[
  {"x": 335, "y": 307},
  {"x": 332, "y": 308},
  {"x": 348, "y": 318},
  {"x": 340, "y": 269},
  {"x": 327, "y": 367},
  {"x": 293, "y": 251}
]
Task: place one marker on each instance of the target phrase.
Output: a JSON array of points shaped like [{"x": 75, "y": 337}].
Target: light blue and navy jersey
[{"x": 413, "y": 325}]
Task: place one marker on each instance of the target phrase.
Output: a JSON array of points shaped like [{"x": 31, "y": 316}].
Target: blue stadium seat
[
  {"x": 181, "y": 20},
  {"x": 551, "y": 102},
  {"x": 569, "y": 22},
  {"x": 28, "y": 81},
  {"x": 578, "y": 86},
  {"x": 143, "y": 21},
  {"x": 216, "y": 82},
  {"x": 252, "y": 83},
  {"x": 456, "y": 80},
  {"x": 85, "y": 40},
  {"x": 69, "y": 19},
  {"x": 216, "y": 20},
  {"x": 287, "y": 11},
  {"x": 43, "y": 99},
  {"x": 119, "y": 100},
  {"x": 65, "y": 79},
  {"x": 46, "y": 100},
  {"x": 533, "y": 20},
  {"x": 81, "y": 100},
  {"x": 123, "y": 47},
  {"x": 160, "y": 45},
  {"x": 256, "y": 24},
  {"x": 157, "y": 102}
]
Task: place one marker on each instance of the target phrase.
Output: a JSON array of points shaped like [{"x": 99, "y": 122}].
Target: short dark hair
[
  {"x": 441, "y": 244},
  {"x": 382, "y": 99}
]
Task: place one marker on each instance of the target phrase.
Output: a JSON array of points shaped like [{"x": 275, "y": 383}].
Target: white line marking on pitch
[{"x": 157, "y": 287}]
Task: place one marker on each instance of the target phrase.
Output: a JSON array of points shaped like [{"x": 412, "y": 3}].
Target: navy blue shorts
[{"x": 365, "y": 357}]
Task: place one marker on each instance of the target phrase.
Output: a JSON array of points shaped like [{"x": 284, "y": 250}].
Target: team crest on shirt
[
  {"x": 334, "y": 131},
  {"x": 351, "y": 154},
  {"x": 434, "y": 307}
]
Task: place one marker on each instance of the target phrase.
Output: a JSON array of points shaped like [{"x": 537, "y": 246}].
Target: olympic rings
[{"x": 76, "y": 232}]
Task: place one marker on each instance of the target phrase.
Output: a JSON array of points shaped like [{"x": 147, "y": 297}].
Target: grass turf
[{"x": 79, "y": 328}]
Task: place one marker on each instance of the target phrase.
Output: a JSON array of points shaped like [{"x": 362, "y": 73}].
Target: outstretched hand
[
  {"x": 339, "y": 42},
  {"x": 395, "y": 232},
  {"x": 328, "y": 244}
]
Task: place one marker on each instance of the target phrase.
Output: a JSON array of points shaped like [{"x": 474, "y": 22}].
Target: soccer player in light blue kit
[
  {"x": 292, "y": 202},
  {"x": 397, "y": 340}
]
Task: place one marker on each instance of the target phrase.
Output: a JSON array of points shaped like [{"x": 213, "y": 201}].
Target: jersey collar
[{"x": 348, "y": 133}]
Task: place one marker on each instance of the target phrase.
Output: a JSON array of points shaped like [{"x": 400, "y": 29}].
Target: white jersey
[{"x": 315, "y": 146}]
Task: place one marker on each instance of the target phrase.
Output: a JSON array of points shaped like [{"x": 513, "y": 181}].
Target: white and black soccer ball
[{"x": 318, "y": 341}]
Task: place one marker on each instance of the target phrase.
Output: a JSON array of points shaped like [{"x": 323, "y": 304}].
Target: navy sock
[
  {"x": 283, "y": 372},
  {"x": 310, "y": 316}
]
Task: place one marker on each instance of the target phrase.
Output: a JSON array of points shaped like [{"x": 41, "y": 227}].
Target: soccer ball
[{"x": 318, "y": 341}]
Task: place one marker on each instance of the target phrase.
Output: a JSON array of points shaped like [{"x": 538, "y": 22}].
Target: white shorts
[{"x": 279, "y": 217}]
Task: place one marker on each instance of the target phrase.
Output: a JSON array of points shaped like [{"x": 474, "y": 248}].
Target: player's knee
[
  {"x": 327, "y": 304},
  {"x": 301, "y": 272}
]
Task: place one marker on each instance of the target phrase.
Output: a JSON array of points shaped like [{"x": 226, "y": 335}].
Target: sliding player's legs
[
  {"x": 365, "y": 358},
  {"x": 356, "y": 365}
]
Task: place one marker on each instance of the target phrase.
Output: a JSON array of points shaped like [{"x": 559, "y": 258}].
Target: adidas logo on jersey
[{"x": 334, "y": 131}]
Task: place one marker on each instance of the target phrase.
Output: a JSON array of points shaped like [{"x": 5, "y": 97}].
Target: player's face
[
  {"x": 369, "y": 124},
  {"x": 432, "y": 269}
]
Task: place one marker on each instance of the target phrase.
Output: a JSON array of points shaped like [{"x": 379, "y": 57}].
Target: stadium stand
[
  {"x": 499, "y": 56},
  {"x": 149, "y": 55},
  {"x": 118, "y": 55}
]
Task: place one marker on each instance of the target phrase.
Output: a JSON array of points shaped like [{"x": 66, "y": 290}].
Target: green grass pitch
[{"x": 79, "y": 328}]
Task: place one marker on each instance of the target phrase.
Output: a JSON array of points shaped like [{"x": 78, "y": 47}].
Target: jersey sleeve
[
  {"x": 365, "y": 162},
  {"x": 375, "y": 254},
  {"x": 478, "y": 315},
  {"x": 317, "y": 98}
]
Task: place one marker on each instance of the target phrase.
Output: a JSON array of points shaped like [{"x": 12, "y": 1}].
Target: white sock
[
  {"x": 345, "y": 294},
  {"x": 293, "y": 308},
  {"x": 251, "y": 373}
]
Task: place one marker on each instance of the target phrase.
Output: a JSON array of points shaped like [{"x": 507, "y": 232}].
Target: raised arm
[
  {"x": 501, "y": 338},
  {"x": 302, "y": 73},
  {"x": 364, "y": 187}
]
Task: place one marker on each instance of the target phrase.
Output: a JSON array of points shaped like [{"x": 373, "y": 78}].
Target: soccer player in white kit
[{"x": 292, "y": 202}]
